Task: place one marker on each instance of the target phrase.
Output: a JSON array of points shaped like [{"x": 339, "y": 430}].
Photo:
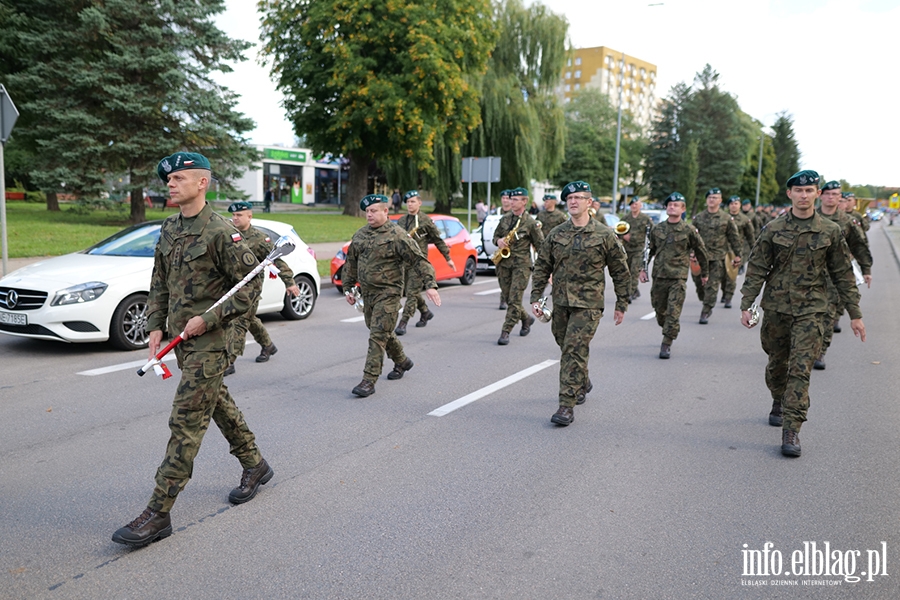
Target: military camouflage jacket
[
  {"x": 718, "y": 232},
  {"x": 549, "y": 220},
  {"x": 637, "y": 233},
  {"x": 793, "y": 257},
  {"x": 377, "y": 257},
  {"x": 671, "y": 244},
  {"x": 261, "y": 244},
  {"x": 576, "y": 256},
  {"x": 855, "y": 238},
  {"x": 861, "y": 220},
  {"x": 197, "y": 261},
  {"x": 527, "y": 235},
  {"x": 746, "y": 231},
  {"x": 426, "y": 233},
  {"x": 751, "y": 218}
]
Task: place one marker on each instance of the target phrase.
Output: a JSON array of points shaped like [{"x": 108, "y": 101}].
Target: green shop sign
[{"x": 277, "y": 154}]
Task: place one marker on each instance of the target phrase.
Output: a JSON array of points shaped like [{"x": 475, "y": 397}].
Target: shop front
[{"x": 293, "y": 176}]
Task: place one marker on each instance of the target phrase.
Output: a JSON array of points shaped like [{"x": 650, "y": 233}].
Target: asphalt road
[{"x": 669, "y": 470}]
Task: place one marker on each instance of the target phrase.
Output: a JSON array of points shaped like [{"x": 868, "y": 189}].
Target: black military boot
[
  {"x": 504, "y": 338},
  {"x": 819, "y": 365},
  {"x": 776, "y": 416},
  {"x": 527, "y": 322},
  {"x": 148, "y": 527},
  {"x": 636, "y": 294},
  {"x": 400, "y": 369},
  {"x": 727, "y": 302},
  {"x": 581, "y": 394},
  {"x": 503, "y": 305},
  {"x": 251, "y": 479},
  {"x": 704, "y": 318},
  {"x": 423, "y": 320},
  {"x": 229, "y": 370},
  {"x": 364, "y": 389},
  {"x": 790, "y": 442},
  {"x": 564, "y": 416},
  {"x": 265, "y": 352},
  {"x": 665, "y": 350},
  {"x": 401, "y": 326},
  {"x": 837, "y": 326}
]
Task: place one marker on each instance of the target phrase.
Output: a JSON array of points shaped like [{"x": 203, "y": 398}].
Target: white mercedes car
[{"x": 100, "y": 294}]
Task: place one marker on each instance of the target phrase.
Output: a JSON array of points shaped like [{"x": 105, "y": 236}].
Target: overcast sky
[{"x": 832, "y": 64}]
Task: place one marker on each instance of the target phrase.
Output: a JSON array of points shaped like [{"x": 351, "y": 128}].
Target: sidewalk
[{"x": 893, "y": 235}]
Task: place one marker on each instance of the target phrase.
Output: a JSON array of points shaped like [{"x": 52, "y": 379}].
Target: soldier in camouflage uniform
[
  {"x": 830, "y": 208},
  {"x": 671, "y": 242},
  {"x": 199, "y": 258},
  {"x": 746, "y": 235},
  {"x": 260, "y": 244},
  {"x": 504, "y": 285},
  {"x": 423, "y": 231},
  {"x": 747, "y": 210},
  {"x": 575, "y": 254},
  {"x": 633, "y": 241},
  {"x": 794, "y": 256},
  {"x": 849, "y": 205},
  {"x": 378, "y": 254},
  {"x": 515, "y": 271},
  {"x": 550, "y": 217},
  {"x": 719, "y": 233}
]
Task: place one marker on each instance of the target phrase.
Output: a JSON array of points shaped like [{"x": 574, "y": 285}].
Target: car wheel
[
  {"x": 468, "y": 275},
  {"x": 300, "y": 306},
  {"x": 337, "y": 275},
  {"x": 128, "y": 327}
]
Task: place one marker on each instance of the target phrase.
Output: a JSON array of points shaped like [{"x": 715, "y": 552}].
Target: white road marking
[
  {"x": 468, "y": 399},
  {"x": 492, "y": 280},
  {"x": 354, "y": 319},
  {"x": 131, "y": 365},
  {"x": 648, "y": 317},
  {"x": 486, "y": 292}
]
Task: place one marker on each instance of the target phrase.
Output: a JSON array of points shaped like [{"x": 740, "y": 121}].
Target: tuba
[
  {"x": 622, "y": 227},
  {"x": 357, "y": 296},
  {"x": 546, "y": 313}
]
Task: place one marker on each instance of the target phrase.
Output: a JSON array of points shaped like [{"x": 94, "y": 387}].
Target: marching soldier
[
  {"x": 747, "y": 210},
  {"x": 378, "y": 254},
  {"x": 504, "y": 285},
  {"x": 633, "y": 241},
  {"x": 830, "y": 199},
  {"x": 718, "y": 232},
  {"x": 423, "y": 231},
  {"x": 850, "y": 209},
  {"x": 575, "y": 254},
  {"x": 199, "y": 258},
  {"x": 550, "y": 217},
  {"x": 517, "y": 232},
  {"x": 671, "y": 242},
  {"x": 746, "y": 235},
  {"x": 794, "y": 256},
  {"x": 260, "y": 244}
]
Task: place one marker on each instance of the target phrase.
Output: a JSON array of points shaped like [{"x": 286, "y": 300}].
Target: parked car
[
  {"x": 875, "y": 214},
  {"x": 452, "y": 231},
  {"x": 100, "y": 293},
  {"x": 655, "y": 215}
]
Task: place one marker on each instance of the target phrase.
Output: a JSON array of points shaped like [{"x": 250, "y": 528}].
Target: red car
[{"x": 462, "y": 251}]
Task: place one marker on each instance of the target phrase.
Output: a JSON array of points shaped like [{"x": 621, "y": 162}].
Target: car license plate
[{"x": 13, "y": 318}]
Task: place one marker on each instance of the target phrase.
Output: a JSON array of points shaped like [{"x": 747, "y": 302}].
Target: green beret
[
  {"x": 745, "y": 201},
  {"x": 805, "y": 177},
  {"x": 373, "y": 199},
  {"x": 676, "y": 197},
  {"x": 504, "y": 193},
  {"x": 549, "y": 197},
  {"x": 519, "y": 191},
  {"x": 575, "y": 186},
  {"x": 633, "y": 200},
  {"x": 238, "y": 206},
  {"x": 181, "y": 161},
  {"x": 710, "y": 192},
  {"x": 734, "y": 199},
  {"x": 411, "y": 194},
  {"x": 832, "y": 185}
]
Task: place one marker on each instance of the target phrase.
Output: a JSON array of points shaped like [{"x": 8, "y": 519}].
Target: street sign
[
  {"x": 481, "y": 170},
  {"x": 895, "y": 201},
  {"x": 8, "y": 115}
]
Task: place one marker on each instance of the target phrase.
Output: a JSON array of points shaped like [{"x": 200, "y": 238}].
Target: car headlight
[
  {"x": 83, "y": 292},
  {"x": 340, "y": 255},
  {"x": 478, "y": 249}
]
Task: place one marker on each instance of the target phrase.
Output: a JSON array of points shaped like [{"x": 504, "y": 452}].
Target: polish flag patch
[{"x": 235, "y": 237}]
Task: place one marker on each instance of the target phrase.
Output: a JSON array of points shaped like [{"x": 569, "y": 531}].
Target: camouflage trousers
[
  {"x": 414, "y": 299},
  {"x": 729, "y": 285},
  {"x": 718, "y": 277},
  {"x": 635, "y": 262},
  {"x": 381, "y": 311},
  {"x": 516, "y": 279},
  {"x": 248, "y": 322},
  {"x": 201, "y": 396},
  {"x": 504, "y": 285},
  {"x": 835, "y": 310},
  {"x": 573, "y": 329},
  {"x": 792, "y": 344},
  {"x": 667, "y": 297}
]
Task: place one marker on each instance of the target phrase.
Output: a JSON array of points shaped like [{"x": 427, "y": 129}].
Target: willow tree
[{"x": 383, "y": 81}]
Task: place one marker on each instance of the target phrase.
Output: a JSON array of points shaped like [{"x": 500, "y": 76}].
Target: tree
[
  {"x": 787, "y": 154},
  {"x": 383, "y": 81},
  {"x": 663, "y": 154},
  {"x": 688, "y": 170},
  {"x": 137, "y": 87},
  {"x": 769, "y": 188}
]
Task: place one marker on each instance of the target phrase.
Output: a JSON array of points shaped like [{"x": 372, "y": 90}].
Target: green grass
[
  {"x": 324, "y": 265},
  {"x": 315, "y": 229}
]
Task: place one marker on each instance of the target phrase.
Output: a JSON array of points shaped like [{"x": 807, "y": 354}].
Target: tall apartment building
[{"x": 599, "y": 68}]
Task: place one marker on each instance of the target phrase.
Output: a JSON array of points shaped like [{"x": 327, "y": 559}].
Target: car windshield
[{"x": 139, "y": 240}]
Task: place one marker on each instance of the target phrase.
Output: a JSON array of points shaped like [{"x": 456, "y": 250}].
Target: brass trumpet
[
  {"x": 622, "y": 227},
  {"x": 358, "y": 299},
  {"x": 546, "y": 313}
]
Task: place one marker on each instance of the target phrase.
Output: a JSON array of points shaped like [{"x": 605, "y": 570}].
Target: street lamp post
[
  {"x": 759, "y": 169},
  {"x": 615, "y": 191}
]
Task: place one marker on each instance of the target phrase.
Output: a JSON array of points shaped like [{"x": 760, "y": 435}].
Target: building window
[
  {"x": 577, "y": 86},
  {"x": 577, "y": 60},
  {"x": 643, "y": 72},
  {"x": 577, "y": 74},
  {"x": 568, "y": 74},
  {"x": 569, "y": 62},
  {"x": 568, "y": 88}
]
